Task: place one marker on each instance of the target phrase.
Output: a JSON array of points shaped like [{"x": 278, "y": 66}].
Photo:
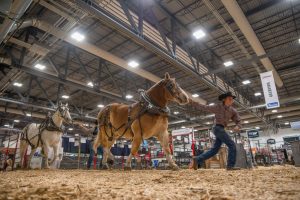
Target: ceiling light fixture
[
  {"x": 183, "y": 127},
  {"x": 246, "y": 82},
  {"x": 274, "y": 111},
  {"x": 257, "y": 127},
  {"x": 133, "y": 64},
  {"x": 286, "y": 123},
  {"x": 195, "y": 95},
  {"x": 77, "y": 36},
  {"x": 90, "y": 84},
  {"x": 128, "y": 96},
  {"x": 17, "y": 84},
  {"x": 40, "y": 66},
  {"x": 228, "y": 63},
  {"x": 65, "y": 96},
  {"x": 100, "y": 106},
  {"x": 16, "y": 120},
  {"x": 211, "y": 104},
  {"x": 28, "y": 114},
  {"x": 176, "y": 113},
  {"x": 279, "y": 116},
  {"x": 246, "y": 122},
  {"x": 70, "y": 129},
  {"x": 257, "y": 94},
  {"x": 199, "y": 34}
]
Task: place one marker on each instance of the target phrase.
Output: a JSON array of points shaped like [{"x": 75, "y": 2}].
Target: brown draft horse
[{"x": 142, "y": 120}]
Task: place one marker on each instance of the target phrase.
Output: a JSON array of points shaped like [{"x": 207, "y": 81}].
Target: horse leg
[
  {"x": 46, "y": 153},
  {"x": 134, "y": 149},
  {"x": 23, "y": 147},
  {"x": 30, "y": 157},
  {"x": 55, "y": 148},
  {"x": 164, "y": 141}
]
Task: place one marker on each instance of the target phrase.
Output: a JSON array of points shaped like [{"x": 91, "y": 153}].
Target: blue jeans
[
  {"x": 92, "y": 153},
  {"x": 221, "y": 137}
]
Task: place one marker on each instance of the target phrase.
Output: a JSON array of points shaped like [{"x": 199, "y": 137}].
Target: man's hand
[{"x": 236, "y": 129}]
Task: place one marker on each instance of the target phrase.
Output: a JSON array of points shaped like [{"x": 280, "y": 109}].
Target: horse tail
[{"x": 103, "y": 117}]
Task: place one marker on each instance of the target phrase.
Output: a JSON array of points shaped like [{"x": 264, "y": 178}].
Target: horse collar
[{"x": 151, "y": 106}]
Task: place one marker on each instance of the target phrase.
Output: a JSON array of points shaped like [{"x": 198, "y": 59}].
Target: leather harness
[
  {"x": 146, "y": 106},
  {"x": 48, "y": 124}
]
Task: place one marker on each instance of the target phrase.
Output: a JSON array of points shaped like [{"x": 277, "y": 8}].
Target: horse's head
[
  {"x": 173, "y": 91},
  {"x": 63, "y": 111}
]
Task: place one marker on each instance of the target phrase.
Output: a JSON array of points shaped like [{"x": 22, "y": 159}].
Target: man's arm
[
  {"x": 237, "y": 120},
  {"x": 206, "y": 108}
]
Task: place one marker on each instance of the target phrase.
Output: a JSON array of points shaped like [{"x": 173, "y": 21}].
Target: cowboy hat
[{"x": 225, "y": 95}]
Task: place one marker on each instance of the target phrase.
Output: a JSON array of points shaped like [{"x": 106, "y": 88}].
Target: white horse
[{"x": 45, "y": 135}]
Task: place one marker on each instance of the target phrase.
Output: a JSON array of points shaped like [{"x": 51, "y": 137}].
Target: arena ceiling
[{"x": 158, "y": 34}]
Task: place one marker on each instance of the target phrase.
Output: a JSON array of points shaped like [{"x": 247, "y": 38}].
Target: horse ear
[{"x": 167, "y": 76}]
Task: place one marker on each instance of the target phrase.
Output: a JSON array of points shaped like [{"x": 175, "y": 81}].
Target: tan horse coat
[{"x": 152, "y": 125}]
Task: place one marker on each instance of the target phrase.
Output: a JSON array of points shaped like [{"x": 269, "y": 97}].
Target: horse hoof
[{"x": 127, "y": 168}]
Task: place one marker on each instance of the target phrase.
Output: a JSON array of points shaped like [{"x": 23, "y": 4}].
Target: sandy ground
[{"x": 262, "y": 183}]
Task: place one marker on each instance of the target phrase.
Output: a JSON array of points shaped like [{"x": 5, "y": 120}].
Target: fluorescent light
[
  {"x": 128, "y": 96},
  {"x": 183, "y": 127},
  {"x": 211, "y": 104},
  {"x": 65, "y": 96},
  {"x": 195, "y": 95},
  {"x": 228, "y": 63},
  {"x": 100, "y": 106},
  {"x": 246, "y": 82},
  {"x": 274, "y": 111},
  {"x": 6, "y": 125},
  {"x": 257, "y": 127},
  {"x": 299, "y": 40},
  {"x": 257, "y": 94},
  {"x": 279, "y": 116},
  {"x": 17, "y": 84},
  {"x": 246, "y": 122},
  {"x": 28, "y": 114},
  {"x": 70, "y": 129},
  {"x": 133, "y": 64},
  {"x": 16, "y": 120},
  {"x": 207, "y": 122},
  {"x": 199, "y": 34},
  {"x": 78, "y": 36},
  {"x": 90, "y": 84},
  {"x": 85, "y": 124},
  {"x": 176, "y": 113},
  {"x": 287, "y": 123},
  {"x": 40, "y": 66}
]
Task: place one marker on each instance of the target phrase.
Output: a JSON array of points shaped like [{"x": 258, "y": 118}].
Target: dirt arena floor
[{"x": 262, "y": 183}]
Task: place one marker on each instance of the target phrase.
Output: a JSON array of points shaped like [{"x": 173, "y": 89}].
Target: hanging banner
[{"x": 269, "y": 88}]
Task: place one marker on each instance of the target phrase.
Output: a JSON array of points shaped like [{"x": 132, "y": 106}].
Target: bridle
[
  {"x": 63, "y": 112},
  {"x": 173, "y": 89}
]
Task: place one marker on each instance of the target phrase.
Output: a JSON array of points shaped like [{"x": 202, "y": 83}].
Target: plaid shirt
[{"x": 223, "y": 114}]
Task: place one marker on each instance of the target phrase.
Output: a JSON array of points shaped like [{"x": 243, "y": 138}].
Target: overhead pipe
[
  {"x": 18, "y": 8},
  {"x": 240, "y": 19}
]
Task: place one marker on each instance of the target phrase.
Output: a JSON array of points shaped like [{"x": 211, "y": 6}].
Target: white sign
[
  {"x": 270, "y": 92},
  {"x": 182, "y": 131}
]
